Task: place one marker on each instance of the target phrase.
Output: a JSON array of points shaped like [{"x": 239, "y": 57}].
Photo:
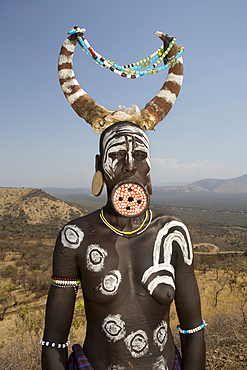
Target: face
[{"x": 125, "y": 155}]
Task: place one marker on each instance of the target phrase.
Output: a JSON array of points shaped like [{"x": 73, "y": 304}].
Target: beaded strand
[
  {"x": 130, "y": 70},
  {"x": 191, "y": 331},
  {"x": 47, "y": 344},
  {"x": 65, "y": 282}
]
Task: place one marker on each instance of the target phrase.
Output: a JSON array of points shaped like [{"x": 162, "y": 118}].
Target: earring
[
  {"x": 97, "y": 183},
  {"x": 149, "y": 186}
]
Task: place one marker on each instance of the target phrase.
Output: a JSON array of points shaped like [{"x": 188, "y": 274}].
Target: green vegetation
[{"x": 26, "y": 251}]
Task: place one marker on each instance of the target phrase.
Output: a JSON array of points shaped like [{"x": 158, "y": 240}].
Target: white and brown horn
[
  {"x": 95, "y": 114},
  {"x": 156, "y": 110},
  {"x": 79, "y": 100}
]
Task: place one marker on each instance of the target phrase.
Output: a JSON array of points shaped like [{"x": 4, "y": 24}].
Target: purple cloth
[
  {"x": 78, "y": 360},
  {"x": 178, "y": 361}
]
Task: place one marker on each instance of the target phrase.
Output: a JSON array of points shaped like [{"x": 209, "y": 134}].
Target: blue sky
[{"x": 44, "y": 143}]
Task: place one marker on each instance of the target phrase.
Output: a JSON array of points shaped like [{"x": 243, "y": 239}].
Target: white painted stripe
[
  {"x": 164, "y": 231},
  {"x": 160, "y": 280},
  {"x": 75, "y": 96},
  {"x": 66, "y": 86},
  {"x": 65, "y": 59},
  {"x": 180, "y": 60},
  {"x": 65, "y": 73},
  {"x": 69, "y": 46},
  {"x": 177, "y": 79},
  {"x": 154, "y": 269},
  {"x": 180, "y": 239},
  {"x": 167, "y": 95}
]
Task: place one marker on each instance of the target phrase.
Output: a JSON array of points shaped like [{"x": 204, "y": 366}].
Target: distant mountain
[
  {"x": 35, "y": 206},
  {"x": 235, "y": 185}
]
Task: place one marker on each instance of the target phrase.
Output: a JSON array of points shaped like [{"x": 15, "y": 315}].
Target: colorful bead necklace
[
  {"x": 130, "y": 70},
  {"x": 127, "y": 233}
]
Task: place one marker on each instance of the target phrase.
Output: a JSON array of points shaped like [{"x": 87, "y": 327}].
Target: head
[{"x": 124, "y": 154}]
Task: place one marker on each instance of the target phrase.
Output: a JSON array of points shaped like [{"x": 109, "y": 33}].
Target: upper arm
[
  {"x": 61, "y": 298},
  {"x": 187, "y": 297},
  {"x": 188, "y": 307}
]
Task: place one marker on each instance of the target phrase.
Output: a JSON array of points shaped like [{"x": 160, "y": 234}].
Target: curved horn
[
  {"x": 156, "y": 110},
  {"x": 79, "y": 100},
  {"x": 95, "y": 114}
]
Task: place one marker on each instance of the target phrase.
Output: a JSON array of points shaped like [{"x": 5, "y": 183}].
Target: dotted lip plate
[{"x": 130, "y": 199}]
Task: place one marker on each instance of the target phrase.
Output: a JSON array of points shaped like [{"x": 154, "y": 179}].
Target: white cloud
[{"x": 167, "y": 170}]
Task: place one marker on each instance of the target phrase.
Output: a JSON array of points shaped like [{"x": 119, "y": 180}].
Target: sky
[{"x": 43, "y": 143}]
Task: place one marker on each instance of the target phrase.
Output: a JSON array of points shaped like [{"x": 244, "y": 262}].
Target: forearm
[
  {"x": 193, "y": 351},
  {"x": 54, "y": 358}
]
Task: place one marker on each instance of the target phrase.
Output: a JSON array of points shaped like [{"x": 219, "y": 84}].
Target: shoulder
[
  {"x": 163, "y": 220},
  {"x": 73, "y": 233},
  {"x": 173, "y": 235}
]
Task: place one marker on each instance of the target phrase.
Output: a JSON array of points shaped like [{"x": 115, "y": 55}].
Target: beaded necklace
[
  {"x": 130, "y": 70},
  {"x": 129, "y": 234}
]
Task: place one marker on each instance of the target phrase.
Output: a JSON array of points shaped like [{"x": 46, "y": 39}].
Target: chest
[{"x": 112, "y": 267}]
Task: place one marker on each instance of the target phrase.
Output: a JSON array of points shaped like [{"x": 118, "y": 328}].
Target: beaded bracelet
[
  {"x": 47, "y": 344},
  {"x": 191, "y": 331}
]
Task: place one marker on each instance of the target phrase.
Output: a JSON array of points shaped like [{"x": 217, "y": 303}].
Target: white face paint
[
  {"x": 160, "y": 335},
  {"x": 71, "y": 236},
  {"x": 160, "y": 364},
  {"x": 95, "y": 257},
  {"x": 111, "y": 283},
  {"x": 132, "y": 139},
  {"x": 114, "y": 328},
  {"x": 137, "y": 343}
]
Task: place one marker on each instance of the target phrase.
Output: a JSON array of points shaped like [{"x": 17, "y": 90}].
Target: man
[{"x": 131, "y": 266}]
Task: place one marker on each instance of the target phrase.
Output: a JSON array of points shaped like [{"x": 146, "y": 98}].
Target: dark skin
[{"x": 137, "y": 308}]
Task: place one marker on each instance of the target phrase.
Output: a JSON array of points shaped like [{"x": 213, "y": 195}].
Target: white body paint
[
  {"x": 137, "y": 343},
  {"x": 111, "y": 283},
  {"x": 157, "y": 267},
  {"x": 114, "y": 328},
  {"x": 116, "y": 367},
  {"x": 160, "y": 335},
  {"x": 160, "y": 364},
  {"x": 95, "y": 257},
  {"x": 71, "y": 236}
]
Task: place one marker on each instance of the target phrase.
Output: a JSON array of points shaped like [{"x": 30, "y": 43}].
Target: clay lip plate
[{"x": 130, "y": 199}]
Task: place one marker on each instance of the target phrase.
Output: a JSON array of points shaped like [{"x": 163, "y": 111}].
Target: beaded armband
[
  {"x": 191, "y": 331},
  {"x": 47, "y": 344},
  {"x": 66, "y": 283}
]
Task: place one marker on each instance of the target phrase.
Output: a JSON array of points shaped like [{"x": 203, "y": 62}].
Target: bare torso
[{"x": 127, "y": 327}]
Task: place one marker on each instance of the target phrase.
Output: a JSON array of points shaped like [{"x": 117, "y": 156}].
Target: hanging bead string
[
  {"x": 47, "y": 344},
  {"x": 130, "y": 70},
  {"x": 137, "y": 65},
  {"x": 191, "y": 331}
]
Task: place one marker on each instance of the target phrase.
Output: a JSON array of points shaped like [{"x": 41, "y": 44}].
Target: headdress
[{"x": 98, "y": 116}]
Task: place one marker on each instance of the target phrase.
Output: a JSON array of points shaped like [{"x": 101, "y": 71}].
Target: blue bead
[{"x": 145, "y": 72}]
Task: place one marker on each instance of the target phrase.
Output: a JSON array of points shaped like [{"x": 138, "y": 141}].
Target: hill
[
  {"x": 229, "y": 186},
  {"x": 23, "y": 210}
]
